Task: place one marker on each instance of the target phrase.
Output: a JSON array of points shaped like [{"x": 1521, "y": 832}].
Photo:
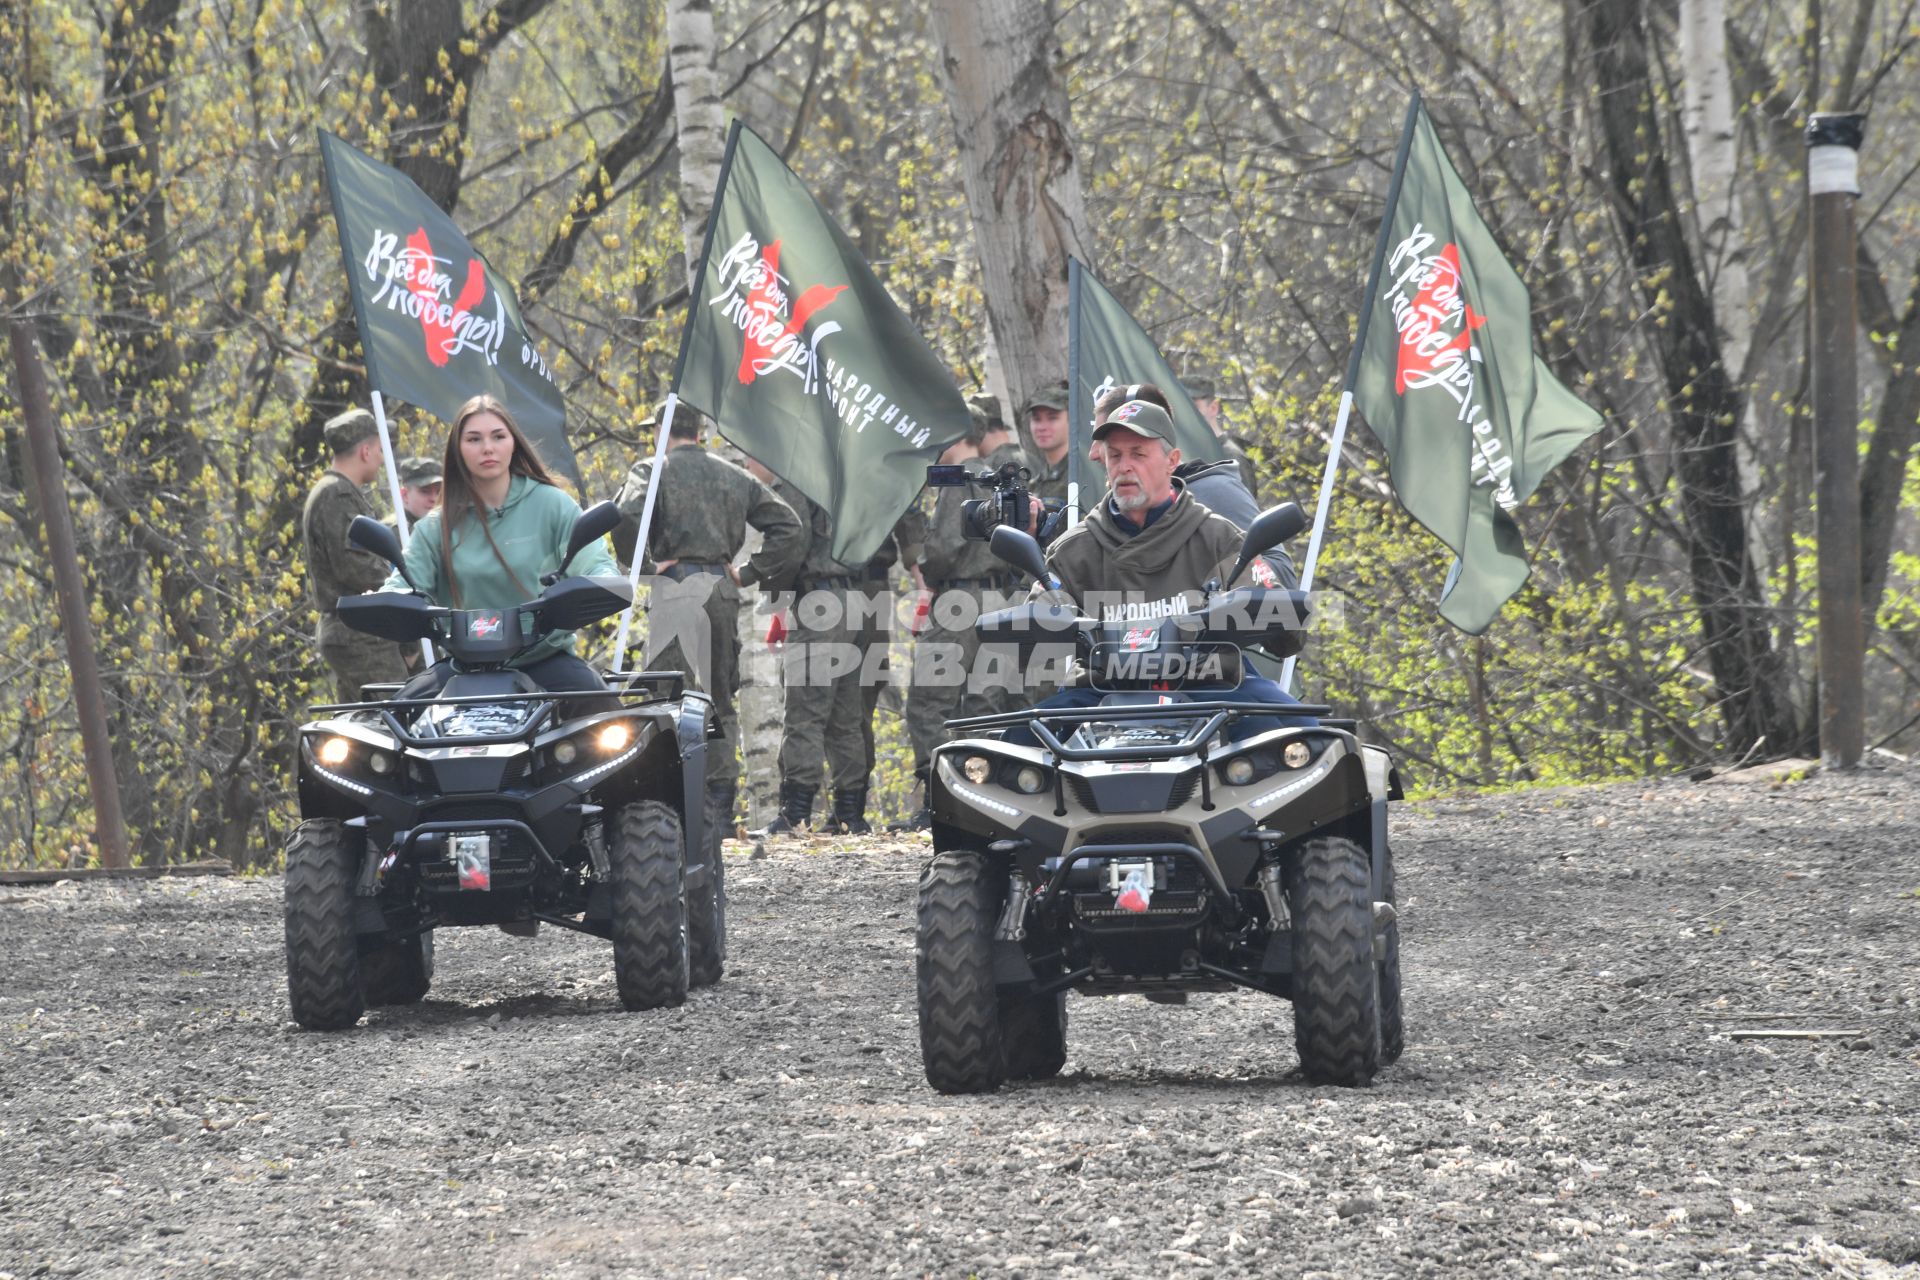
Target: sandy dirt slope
[{"x": 1572, "y": 1099}]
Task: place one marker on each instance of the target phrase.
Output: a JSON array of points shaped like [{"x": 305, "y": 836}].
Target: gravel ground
[{"x": 1572, "y": 1100}]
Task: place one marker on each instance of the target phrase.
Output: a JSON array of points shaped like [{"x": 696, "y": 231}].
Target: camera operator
[
  {"x": 965, "y": 578},
  {"x": 1151, "y": 541}
]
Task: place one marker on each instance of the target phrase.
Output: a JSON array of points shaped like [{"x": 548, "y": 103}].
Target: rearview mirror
[
  {"x": 1017, "y": 548},
  {"x": 369, "y": 534},
  {"x": 591, "y": 525},
  {"x": 1269, "y": 529}
]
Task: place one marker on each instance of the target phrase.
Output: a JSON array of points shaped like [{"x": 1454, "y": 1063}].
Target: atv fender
[
  {"x": 1381, "y": 786},
  {"x": 696, "y": 713}
]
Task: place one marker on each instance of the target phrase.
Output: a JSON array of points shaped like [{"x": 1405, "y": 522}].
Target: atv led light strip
[
  {"x": 337, "y": 780},
  {"x": 597, "y": 770},
  {"x": 995, "y": 805},
  {"x": 1305, "y": 780}
]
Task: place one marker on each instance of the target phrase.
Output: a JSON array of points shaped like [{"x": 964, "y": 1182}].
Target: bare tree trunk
[
  {"x": 701, "y": 130},
  {"x": 1705, "y": 401},
  {"x": 1017, "y": 158}
]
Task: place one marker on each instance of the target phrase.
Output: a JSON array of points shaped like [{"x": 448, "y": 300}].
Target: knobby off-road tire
[
  {"x": 1393, "y": 1032},
  {"x": 649, "y": 906},
  {"x": 1336, "y": 1008},
  {"x": 960, "y": 1044},
  {"x": 1033, "y": 1036},
  {"x": 323, "y": 956},
  {"x": 399, "y": 972},
  {"x": 707, "y": 909}
]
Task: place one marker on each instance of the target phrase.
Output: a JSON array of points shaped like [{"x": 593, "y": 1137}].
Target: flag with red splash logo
[
  {"x": 1471, "y": 418},
  {"x": 438, "y": 325},
  {"x": 802, "y": 358}
]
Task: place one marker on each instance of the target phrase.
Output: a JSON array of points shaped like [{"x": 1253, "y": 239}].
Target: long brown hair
[{"x": 456, "y": 495}]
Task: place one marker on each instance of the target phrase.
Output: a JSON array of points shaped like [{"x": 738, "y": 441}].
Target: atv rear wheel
[
  {"x": 1336, "y": 1007},
  {"x": 649, "y": 906},
  {"x": 1393, "y": 1033},
  {"x": 707, "y": 906},
  {"x": 1033, "y": 1036},
  {"x": 399, "y": 972},
  {"x": 323, "y": 957},
  {"x": 960, "y": 1044}
]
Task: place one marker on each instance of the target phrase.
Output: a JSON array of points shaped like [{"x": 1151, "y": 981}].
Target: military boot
[
  {"x": 850, "y": 811},
  {"x": 796, "y": 806},
  {"x": 920, "y": 819}
]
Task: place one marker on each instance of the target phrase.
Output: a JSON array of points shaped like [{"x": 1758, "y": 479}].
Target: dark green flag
[
  {"x": 800, "y": 356},
  {"x": 1113, "y": 351},
  {"x": 437, "y": 324},
  {"x": 1471, "y": 418}
]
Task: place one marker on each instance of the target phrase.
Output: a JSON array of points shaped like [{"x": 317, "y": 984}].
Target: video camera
[{"x": 1009, "y": 504}]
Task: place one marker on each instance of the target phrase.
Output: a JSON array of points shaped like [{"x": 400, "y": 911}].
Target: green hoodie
[{"x": 531, "y": 531}]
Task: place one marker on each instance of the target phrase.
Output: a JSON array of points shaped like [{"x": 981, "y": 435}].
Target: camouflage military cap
[
  {"x": 687, "y": 420},
  {"x": 1053, "y": 395},
  {"x": 988, "y": 407},
  {"x": 416, "y": 472},
  {"x": 344, "y": 431}
]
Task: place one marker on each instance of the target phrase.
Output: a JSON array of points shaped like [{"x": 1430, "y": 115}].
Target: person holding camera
[{"x": 966, "y": 578}]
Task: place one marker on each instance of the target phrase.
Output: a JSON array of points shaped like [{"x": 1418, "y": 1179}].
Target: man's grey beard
[{"x": 1137, "y": 501}]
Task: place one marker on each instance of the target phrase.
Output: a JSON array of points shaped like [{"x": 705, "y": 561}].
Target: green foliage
[{"x": 162, "y": 216}]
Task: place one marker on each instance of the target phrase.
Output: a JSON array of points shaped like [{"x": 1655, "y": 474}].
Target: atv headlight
[
  {"x": 612, "y": 738},
  {"x": 1238, "y": 771},
  {"x": 1296, "y": 755},
  {"x": 333, "y": 751},
  {"x": 380, "y": 762},
  {"x": 1030, "y": 780},
  {"x": 977, "y": 770},
  {"x": 564, "y": 751}
]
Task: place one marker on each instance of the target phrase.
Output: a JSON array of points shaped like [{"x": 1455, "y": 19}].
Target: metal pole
[
  {"x": 646, "y": 523},
  {"x": 1833, "y": 147},
  {"x": 1073, "y": 391},
  {"x": 43, "y": 448},
  {"x": 393, "y": 488}
]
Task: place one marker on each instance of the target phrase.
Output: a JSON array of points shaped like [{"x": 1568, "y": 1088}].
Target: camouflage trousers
[
  {"x": 951, "y": 678},
  {"x": 820, "y": 669},
  {"x": 356, "y": 658},
  {"x": 693, "y": 627}
]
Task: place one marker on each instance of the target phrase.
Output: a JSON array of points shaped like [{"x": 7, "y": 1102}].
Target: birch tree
[
  {"x": 700, "y": 125},
  {"x": 1020, "y": 169}
]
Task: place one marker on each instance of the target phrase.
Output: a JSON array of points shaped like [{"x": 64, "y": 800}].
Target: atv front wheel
[
  {"x": 1336, "y": 1008},
  {"x": 323, "y": 957},
  {"x": 1393, "y": 1032},
  {"x": 399, "y": 972},
  {"x": 1033, "y": 1036},
  {"x": 960, "y": 1036},
  {"x": 649, "y": 906},
  {"x": 707, "y": 906}
]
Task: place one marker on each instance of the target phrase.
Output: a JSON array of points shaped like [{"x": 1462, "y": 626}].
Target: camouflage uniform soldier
[
  {"x": 1047, "y": 425},
  {"x": 335, "y": 569},
  {"x": 821, "y": 675},
  {"x": 965, "y": 578},
  {"x": 700, "y": 518},
  {"x": 421, "y": 480},
  {"x": 875, "y": 633}
]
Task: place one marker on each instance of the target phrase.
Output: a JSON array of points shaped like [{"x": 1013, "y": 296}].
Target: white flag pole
[
  {"x": 393, "y": 487},
  {"x": 1353, "y": 362},
  {"x": 1073, "y": 391},
  {"x": 646, "y": 523}
]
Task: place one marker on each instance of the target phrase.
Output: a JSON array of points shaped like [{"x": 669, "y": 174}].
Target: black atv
[
  {"x": 495, "y": 802},
  {"x": 1139, "y": 848}
]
